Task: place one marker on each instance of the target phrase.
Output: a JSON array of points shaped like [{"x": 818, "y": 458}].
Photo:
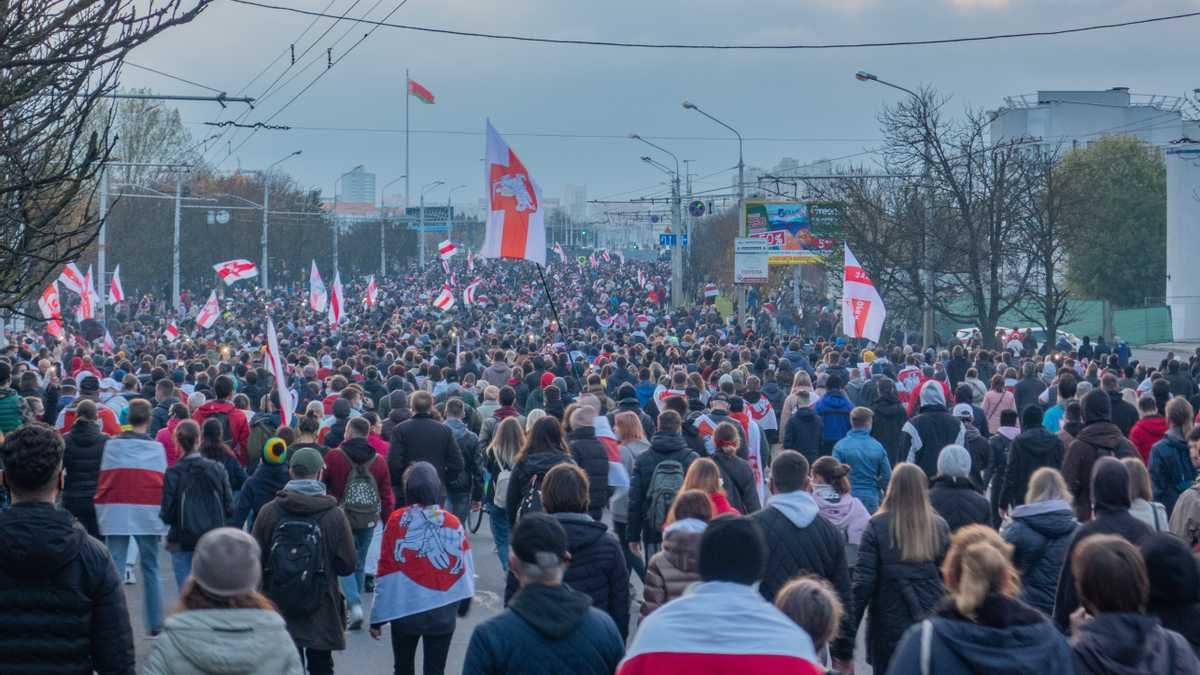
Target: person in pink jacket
[
  {"x": 166, "y": 435},
  {"x": 997, "y": 399}
]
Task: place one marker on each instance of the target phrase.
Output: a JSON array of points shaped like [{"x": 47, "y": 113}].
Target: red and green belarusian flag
[{"x": 423, "y": 95}]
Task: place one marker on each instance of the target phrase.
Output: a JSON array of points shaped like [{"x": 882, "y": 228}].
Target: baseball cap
[
  {"x": 308, "y": 460},
  {"x": 539, "y": 533},
  {"x": 964, "y": 410}
]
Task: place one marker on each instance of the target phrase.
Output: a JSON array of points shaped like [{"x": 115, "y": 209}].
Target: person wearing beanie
[
  {"x": 953, "y": 495},
  {"x": 1098, "y": 438},
  {"x": 1174, "y": 585},
  {"x": 224, "y": 625},
  {"x": 723, "y": 625},
  {"x": 931, "y": 429},
  {"x": 262, "y": 486}
]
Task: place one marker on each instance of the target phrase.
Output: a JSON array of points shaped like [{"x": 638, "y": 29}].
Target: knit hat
[
  {"x": 226, "y": 562},
  {"x": 954, "y": 461},
  {"x": 308, "y": 461},
  {"x": 733, "y": 549},
  {"x": 538, "y": 533},
  {"x": 274, "y": 450},
  {"x": 547, "y": 379}
]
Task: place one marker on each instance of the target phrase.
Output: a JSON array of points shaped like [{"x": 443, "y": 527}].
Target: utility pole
[
  {"x": 266, "y": 261},
  {"x": 102, "y": 243},
  {"x": 175, "y": 240}
]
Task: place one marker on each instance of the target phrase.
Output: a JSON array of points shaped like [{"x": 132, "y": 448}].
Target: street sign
[
  {"x": 750, "y": 260},
  {"x": 696, "y": 208},
  {"x": 669, "y": 239}
]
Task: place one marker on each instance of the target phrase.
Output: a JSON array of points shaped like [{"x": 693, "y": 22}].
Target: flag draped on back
[
  {"x": 862, "y": 308},
  {"x": 129, "y": 487},
  {"x": 618, "y": 476},
  {"x": 515, "y": 228},
  {"x": 425, "y": 562},
  {"x": 316, "y": 289},
  {"x": 275, "y": 363}
]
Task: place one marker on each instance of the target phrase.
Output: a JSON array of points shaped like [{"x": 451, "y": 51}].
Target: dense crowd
[{"x": 1028, "y": 509}]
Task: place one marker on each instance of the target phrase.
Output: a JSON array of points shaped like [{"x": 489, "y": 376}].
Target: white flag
[
  {"x": 209, "y": 313},
  {"x": 335, "y": 299},
  {"x": 275, "y": 363},
  {"x": 862, "y": 307},
  {"x": 116, "y": 293},
  {"x": 316, "y": 289}
]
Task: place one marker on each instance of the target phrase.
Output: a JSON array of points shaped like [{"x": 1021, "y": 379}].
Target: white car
[{"x": 965, "y": 335}]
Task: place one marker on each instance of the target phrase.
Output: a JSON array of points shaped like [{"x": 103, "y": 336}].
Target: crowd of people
[{"x": 666, "y": 491}]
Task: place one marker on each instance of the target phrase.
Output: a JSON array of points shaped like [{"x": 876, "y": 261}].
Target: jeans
[
  {"x": 118, "y": 548},
  {"x": 498, "y": 519},
  {"x": 317, "y": 661},
  {"x": 460, "y": 506},
  {"x": 404, "y": 652},
  {"x": 352, "y": 584},
  {"x": 181, "y": 564}
]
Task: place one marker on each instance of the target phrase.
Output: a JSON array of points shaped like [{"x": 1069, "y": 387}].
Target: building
[
  {"x": 1183, "y": 231},
  {"x": 574, "y": 201},
  {"x": 1064, "y": 120},
  {"x": 357, "y": 186}
]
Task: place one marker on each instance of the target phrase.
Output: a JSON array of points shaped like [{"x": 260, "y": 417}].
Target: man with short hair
[
  {"x": 508, "y": 408},
  {"x": 589, "y": 453},
  {"x": 666, "y": 446},
  {"x": 63, "y": 604},
  {"x": 467, "y": 491},
  {"x": 164, "y": 399},
  {"x": 722, "y": 625},
  {"x": 235, "y": 428},
  {"x": 423, "y": 439},
  {"x": 870, "y": 469},
  {"x": 548, "y": 627},
  {"x": 1124, "y": 415}
]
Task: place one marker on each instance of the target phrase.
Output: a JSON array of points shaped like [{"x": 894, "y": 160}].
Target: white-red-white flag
[
  {"x": 275, "y": 363},
  {"x": 604, "y": 255},
  {"x": 108, "y": 345},
  {"x": 316, "y": 289},
  {"x": 446, "y": 268},
  {"x": 470, "y": 261},
  {"x": 116, "y": 292},
  {"x": 210, "y": 312},
  {"x": 469, "y": 293},
  {"x": 710, "y": 291},
  {"x": 863, "y": 312},
  {"x": 562, "y": 255},
  {"x": 87, "y": 298},
  {"x": 445, "y": 299},
  {"x": 641, "y": 279},
  {"x": 51, "y": 309},
  {"x": 515, "y": 227},
  {"x": 72, "y": 278},
  {"x": 171, "y": 332},
  {"x": 336, "y": 299},
  {"x": 372, "y": 296},
  {"x": 447, "y": 249},
  {"x": 235, "y": 270}
]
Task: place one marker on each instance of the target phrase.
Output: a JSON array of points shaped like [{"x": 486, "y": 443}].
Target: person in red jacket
[
  {"x": 340, "y": 462},
  {"x": 1149, "y": 429},
  {"x": 222, "y": 408}
]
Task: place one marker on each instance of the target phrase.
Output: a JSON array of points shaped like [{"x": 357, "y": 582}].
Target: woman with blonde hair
[
  {"x": 1143, "y": 506},
  {"x": 499, "y": 459},
  {"x": 1171, "y": 470},
  {"x": 703, "y": 475},
  {"x": 800, "y": 382},
  {"x": 631, "y": 439},
  {"x": 1040, "y": 531},
  {"x": 896, "y": 574},
  {"x": 982, "y": 626}
]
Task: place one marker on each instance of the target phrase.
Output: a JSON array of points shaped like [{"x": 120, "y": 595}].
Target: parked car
[{"x": 966, "y": 335}]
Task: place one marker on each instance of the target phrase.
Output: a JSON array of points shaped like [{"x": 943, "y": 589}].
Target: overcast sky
[{"x": 808, "y": 101}]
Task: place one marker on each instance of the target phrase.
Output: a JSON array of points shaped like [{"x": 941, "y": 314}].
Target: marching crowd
[{"x": 666, "y": 492}]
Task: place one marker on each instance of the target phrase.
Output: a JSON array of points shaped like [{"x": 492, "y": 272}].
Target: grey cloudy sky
[{"x": 596, "y": 91}]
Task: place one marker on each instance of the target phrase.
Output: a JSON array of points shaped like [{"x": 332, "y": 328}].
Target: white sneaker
[
  {"x": 130, "y": 579},
  {"x": 355, "y": 621}
]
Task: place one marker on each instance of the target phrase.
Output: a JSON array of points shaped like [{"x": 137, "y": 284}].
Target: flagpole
[
  {"x": 407, "y": 154},
  {"x": 553, "y": 309}
]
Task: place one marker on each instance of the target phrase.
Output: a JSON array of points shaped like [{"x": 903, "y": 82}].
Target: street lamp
[
  {"x": 266, "y": 262},
  {"x": 449, "y": 196},
  {"x": 421, "y": 226},
  {"x": 383, "y": 226},
  {"x": 688, "y": 105},
  {"x": 927, "y": 300}
]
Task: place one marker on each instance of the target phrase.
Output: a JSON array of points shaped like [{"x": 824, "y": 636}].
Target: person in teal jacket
[{"x": 870, "y": 470}]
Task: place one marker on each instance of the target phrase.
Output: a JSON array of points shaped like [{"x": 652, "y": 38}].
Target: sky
[{"x": 584, "y": 100}]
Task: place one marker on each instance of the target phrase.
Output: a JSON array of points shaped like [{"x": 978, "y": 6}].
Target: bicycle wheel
[{"x": 475, "y": 518}]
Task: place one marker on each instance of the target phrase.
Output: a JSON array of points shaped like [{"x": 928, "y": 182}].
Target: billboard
[{"x": 797, "y": 233}]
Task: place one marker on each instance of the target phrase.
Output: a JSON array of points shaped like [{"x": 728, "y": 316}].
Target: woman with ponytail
[
  {"x": 982, "y": 626},
  {"x": 831, "y": 490}
]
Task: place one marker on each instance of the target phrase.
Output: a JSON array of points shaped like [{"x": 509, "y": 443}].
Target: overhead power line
[
  {"x": 174, "y": 77},
  {"x": 678, "y": 45}
]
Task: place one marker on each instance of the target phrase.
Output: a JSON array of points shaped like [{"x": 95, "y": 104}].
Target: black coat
[
  {"x": 631, "y": 405},
  {"x": 172, "y": 484},
  {"x": 740, "y": 487},
  {"x": 1131, "y": 643},
  {"x": 597, "y": 568},
  {"x": 804, "y": 432},
  {"x": 1123, "y": 414},
  {"x": 936, "y": 428},
  {"x": 64, "y": 608},
  {"x": 900, "y": 593},
  {"x": 818, "y": 549},
  {"x": 1030, "y": 450},
  {"x": 1026, "y": 393},
  {"x": 663, "y": 446},
  {"x": 423, "y": 439},
  {"x": 957, "y": 500},
  {"x": 81, "y": 464},
  {"x": 590, "y": 455},
  {"x": 536, "y": 463},
  {"x": 260, "y": 488},
  {"x": 1040, "y": 535},
  {"x": 886, "y": 426}
]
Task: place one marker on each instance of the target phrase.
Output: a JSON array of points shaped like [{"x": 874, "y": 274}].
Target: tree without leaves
[{"x": 58, "y": 59}]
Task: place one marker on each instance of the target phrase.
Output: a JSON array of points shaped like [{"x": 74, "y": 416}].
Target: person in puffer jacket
[
  {"x": 933, "y": 428},
  {"x": 677, "y": 565},
  {"x": 1040, "y": 532}
]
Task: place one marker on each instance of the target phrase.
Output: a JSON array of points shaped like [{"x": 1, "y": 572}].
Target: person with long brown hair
[
  {"x": 831, "y": 490},
  {"x": 677, "y": 565},
  {"x": 982, "y": 626},
  {"x": 222, "y": 624},
  {"x": 897, "y": 575},
  {"x": 544, "y": 448},
  {"x": 703, "y": 475}
]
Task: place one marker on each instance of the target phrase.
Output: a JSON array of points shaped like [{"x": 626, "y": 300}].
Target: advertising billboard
[{"x": 797, "y": 233}]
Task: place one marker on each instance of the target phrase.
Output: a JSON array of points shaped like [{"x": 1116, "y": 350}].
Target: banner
[{"x": 797, "y": 233}]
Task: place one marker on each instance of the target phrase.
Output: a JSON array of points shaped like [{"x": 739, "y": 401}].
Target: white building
[
  {"x": 575, "y": 202},
  {"x": 357, "y": 186},
  {"x": 1064, "y": 120},
  {"x": 1183, "y": 233}
]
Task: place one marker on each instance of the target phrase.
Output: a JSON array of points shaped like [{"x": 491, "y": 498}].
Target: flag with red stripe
[
  {"x": 618, "y": 476},
  {"x": 235, "y": 270},
  {"x": 447, "y": 249},
  {"x": 116, "y": 292},
  {"x": 515, "y": 227},
  {"x": 130, "y": 485},
  {"x": 445, "y": 299},
  {"x": 419, "y": 92},
  {"x": 425, "y": 562},
  {"x": 209, "y": 313},
  {"x": 863, "y": 312}
]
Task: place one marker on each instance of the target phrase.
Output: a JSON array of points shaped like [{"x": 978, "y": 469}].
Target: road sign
[
  {"x": 696, "y": 208},
  {"x": 750, "y": 260},
  {"x": 669, "y": 239}
]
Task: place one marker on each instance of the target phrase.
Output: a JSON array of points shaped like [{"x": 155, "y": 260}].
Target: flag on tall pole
[
  {"x": 72, "y": 278},
  {"x": 515, "y": 227},
  {"x": 445, "y": 299},
  {"x": 470, "y": 261},
  {"x": 316, "y": 289},
  {"x": 86, "y": 309},
  {"x": 209, "y": 313},
  {"x": 372, "y": 296},
  {"x": 447, "y": 249},
  {"x": 469, "y": 293},
  {"x": 235, "y": 270},
  {"x": 562, "y": 255},
  {"x": 275, "y": 363},
  {"x": 421, "y": 93},
  {"x": 116, "y": 293},
  {"x": 51, "y": 309},
  {"x": 863, "y": 312},
  {"x": 335, "y": 299}
]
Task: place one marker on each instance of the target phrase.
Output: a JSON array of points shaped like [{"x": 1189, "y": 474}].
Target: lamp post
[
  {"x": 449, "y": 195},
  {"x": 421, "y": 226},
  {"x": 266, "y": 262},
  {"x": 927, "y": 299},
  {"x": 383, "y": 226},
  {"x": 741, "y": 166},
  {"x": 677, "y": 299}
]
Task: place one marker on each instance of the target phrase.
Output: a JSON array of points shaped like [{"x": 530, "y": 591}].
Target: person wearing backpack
[
  {"x": 196, "y": 498},
  {"x": 498, "y": 460},
  {"x": 657, "y": 477},
  {"x": 544, "y": 449},
  {"x": 357, "y": 477},
  {"x": 1098, "y": 438},
  {"x": 235, "y": 429},
  {"x": 307, "y": 544}
]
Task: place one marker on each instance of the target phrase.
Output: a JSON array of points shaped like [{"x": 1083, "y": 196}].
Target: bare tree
[
  {"x": 144, "y": 132},
  {"x": 58, "y": 60},
  {"x": 1044, "y": 238}
]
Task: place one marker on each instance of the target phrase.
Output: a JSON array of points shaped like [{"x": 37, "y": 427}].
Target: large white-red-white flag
[
  {"x": 447, "y": 249},
  {"x": 275, "y": 363},
  {"x": 469, "y": 293},
  {"x": 107, "y": 344},
  {"x": 316, "y": 289},
  {"x": 425, "y": 562},
  {"x": 371, "y": 298},
  {"x": 235, "y": 270},
  {"x": 862, "y": 307},
  {"x": 210, "y": 312},
  {"x": 51, "y": 309},
  {"x": 445, "y": 299},
  {"x": 515, "y": 227},
  {"x": 171, "y": 332},
  {"x": 116, "y": 292},
  {"x": 72, "y": 278},
  {"x": 336, "y": 298}
]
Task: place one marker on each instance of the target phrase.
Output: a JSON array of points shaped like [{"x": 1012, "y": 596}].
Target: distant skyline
[{"x": 567, "y": 111}]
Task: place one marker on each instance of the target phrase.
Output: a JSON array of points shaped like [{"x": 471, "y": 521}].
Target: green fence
[{"x": 1137, "y": 326}]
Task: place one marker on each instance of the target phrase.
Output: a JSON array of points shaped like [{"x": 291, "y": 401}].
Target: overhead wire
[{"x": 173, "y": 77}]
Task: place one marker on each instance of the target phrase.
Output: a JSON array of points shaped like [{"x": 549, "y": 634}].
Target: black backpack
[
  {"x": 295, "y": 577},
  {"x": 226, "y": 429},
  {"x": 200, "y": 507}
]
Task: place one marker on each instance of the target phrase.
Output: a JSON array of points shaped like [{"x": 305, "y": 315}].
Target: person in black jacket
[
  {"x": 667, "y": 444},
  {"x": 1029, "y": 388},
  {"x": 1031, "y": 450},
  {"x": 469, "y": 488},
  {"x": 804, "y": 428},
  {"x": 262, "y": 486},
  {"x": 932, "y": 429},
  {"x": 741, "y": 487},
  {"x": 81, "y": 462},
  {"x": 590, "y": 454},
  {"x": 889, "y": 418},
  {"x": 201, "y": 473},
  {"x": 544, "y": 449},
  {"x": 1174, "y": 585},
  {"x": 953, "y": 494},
  {"x": 627, "y": 400},
  {"x": 64, "y": 609},
  {"x": 164, "y": 398},
  {"x": 423, "y": 439},
  {"x": 802, "y": 542},
  {"x": 597, "y": 561},
  {"x": 1122, "y": 413}
]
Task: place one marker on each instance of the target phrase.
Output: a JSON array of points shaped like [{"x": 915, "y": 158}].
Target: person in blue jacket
[
  {"x": 834, "y": 409},
  {"x": 870, "y": 470}
]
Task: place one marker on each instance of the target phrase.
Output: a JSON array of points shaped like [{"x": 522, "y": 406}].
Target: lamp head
[
  {"x": 298, "y": 152},
  {"x": 864, "y": 76},
  {"x": 688, "y": 105},
  {"x": 635, "y": 137},
  {"x": 646, "y": 159}
]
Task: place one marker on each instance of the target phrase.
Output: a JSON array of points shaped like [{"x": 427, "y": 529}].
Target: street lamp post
[
  {"x": 383, "y": 225},
  {"x": 677, "y": 299},
  {"x": 927, "y": 299},
  {"x": 449, "y": 225},
  {"x": 266, "y": 262},
  {"x": 741, "y": 166},
  {"x": 421, "y": 225}
]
